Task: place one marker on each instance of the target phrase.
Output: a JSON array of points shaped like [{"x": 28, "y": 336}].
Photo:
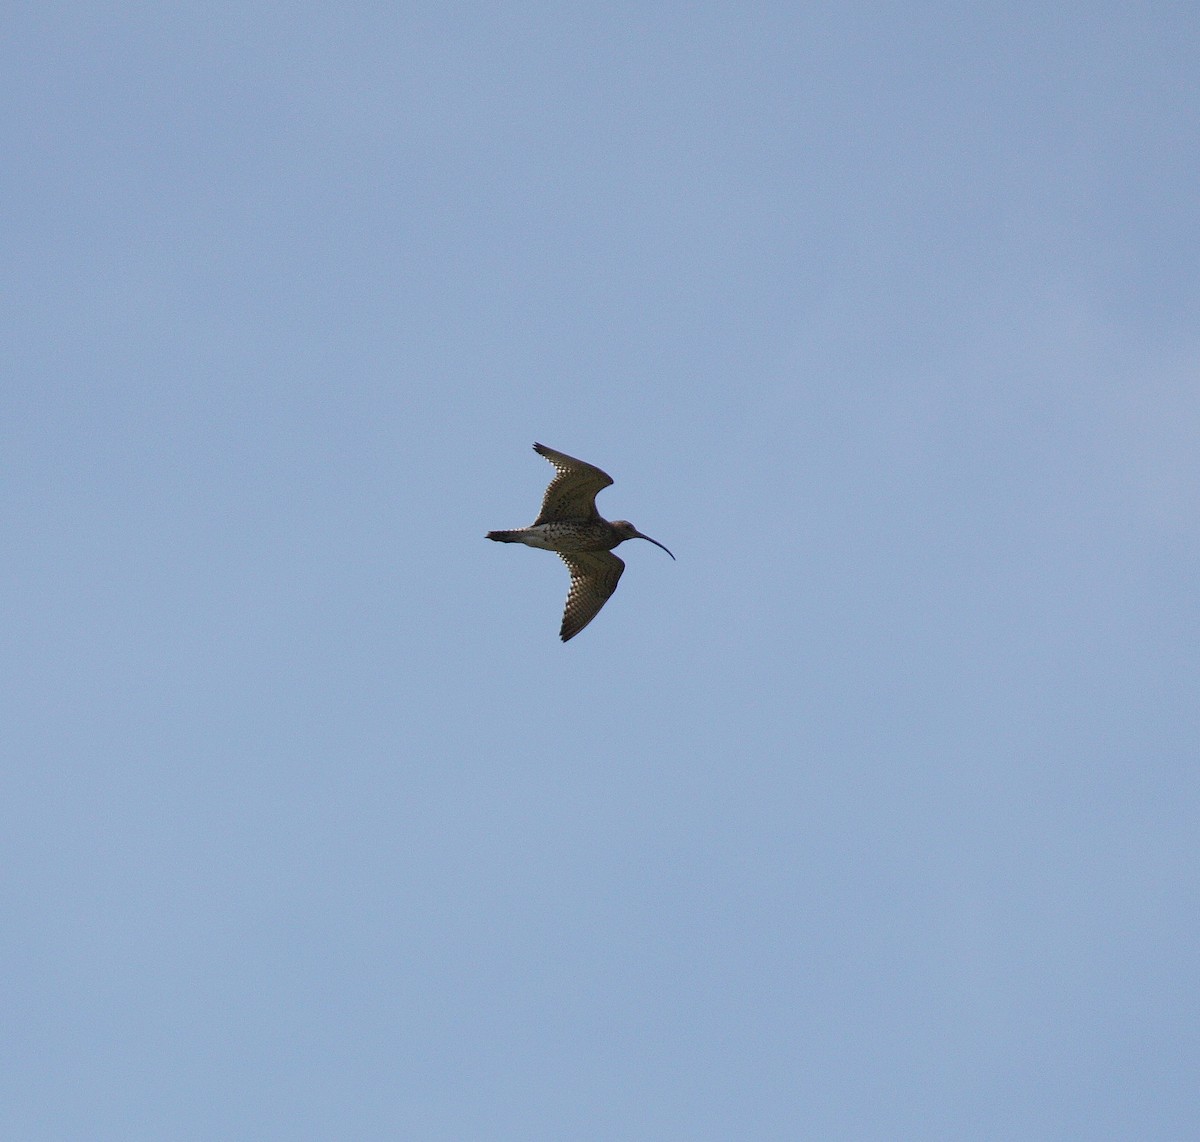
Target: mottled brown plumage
[
  {"x": 570, "y": 526},
  {"x": 571, "y": 495}
]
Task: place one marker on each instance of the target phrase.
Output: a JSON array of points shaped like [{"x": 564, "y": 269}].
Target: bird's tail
[{"x": 504, "y": 536}]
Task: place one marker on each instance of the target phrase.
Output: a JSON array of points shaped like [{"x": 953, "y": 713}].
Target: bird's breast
[{"x": 565, "y": 536}]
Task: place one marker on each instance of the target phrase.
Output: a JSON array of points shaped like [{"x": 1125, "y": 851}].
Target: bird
[{"x": 570, "y": 526}]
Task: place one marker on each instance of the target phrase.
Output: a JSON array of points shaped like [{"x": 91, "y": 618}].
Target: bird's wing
[
  {"x": 572, "y": 492},
  {"x": 594, "y": 577}
]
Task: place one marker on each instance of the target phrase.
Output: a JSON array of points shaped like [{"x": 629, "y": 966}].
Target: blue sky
[{"x": 872, "y": 817}]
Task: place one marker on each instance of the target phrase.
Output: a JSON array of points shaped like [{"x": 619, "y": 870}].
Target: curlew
[{"x": 570, "y": 526}]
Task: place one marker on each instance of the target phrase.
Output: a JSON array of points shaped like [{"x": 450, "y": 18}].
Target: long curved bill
[{"x": 655, "y": 542}]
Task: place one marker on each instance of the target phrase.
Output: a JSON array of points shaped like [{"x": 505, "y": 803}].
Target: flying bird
[{"x": 570, "y": 526}]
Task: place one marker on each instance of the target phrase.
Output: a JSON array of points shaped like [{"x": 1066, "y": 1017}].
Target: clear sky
[{"x": 873, "y": 817}]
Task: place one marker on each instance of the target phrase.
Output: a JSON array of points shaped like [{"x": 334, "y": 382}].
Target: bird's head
[{"x": 626, "y": 530}]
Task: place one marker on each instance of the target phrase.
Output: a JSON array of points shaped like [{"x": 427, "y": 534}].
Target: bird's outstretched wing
[
  {"x": 572, "y": 493},
  {"x": 594, "y": 577}
]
